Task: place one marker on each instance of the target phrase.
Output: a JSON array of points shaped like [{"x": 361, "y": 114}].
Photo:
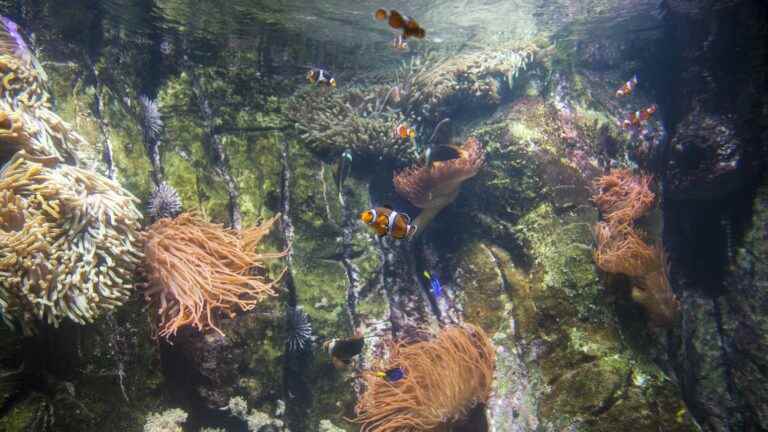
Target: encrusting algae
[
  {"x": 69, "y": 241},
  {"x": 442, "y": 379},
  {"x": 197, "y": 269}
]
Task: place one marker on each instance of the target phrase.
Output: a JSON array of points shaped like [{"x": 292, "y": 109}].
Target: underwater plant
[
  {"x": 69, "y": 241},
  {"x": 197, "y": 269},
  {"x": 164, "y": 202},
  {"x": 622, "y": 196},
  {"x": 298, "y": 330},
  {"x": 433, "y": 187},
  {"x": 440, "y": 381}
]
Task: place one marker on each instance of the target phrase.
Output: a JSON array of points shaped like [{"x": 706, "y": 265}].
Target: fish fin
[
  {"x": 387, "y": 206},
  {"x": 411, "y": 231}
]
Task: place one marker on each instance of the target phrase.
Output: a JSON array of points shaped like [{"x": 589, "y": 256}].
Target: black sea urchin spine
[
  {"x": 164, "y": 202},
  {"x": 298, "y": 329}
]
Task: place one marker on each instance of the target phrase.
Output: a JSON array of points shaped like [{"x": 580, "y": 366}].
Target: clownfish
[
  {"x": 386, "y": 221},
  {"x": 638, "y": 118},
  {"x": 391, "y": 375},
  {"x": 400, "y": 44},
  {"x": 402, "y": 131},
  {"x": 627, "y": 88},
  {"x": 398, "y": 21},
  {"x": 321, "y": 77}
]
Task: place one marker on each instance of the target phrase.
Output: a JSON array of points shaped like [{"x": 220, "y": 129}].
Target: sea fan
[
  {"x": 298, "y": 330},
  {"x": 151, "y": 119},
  {"x": 164, "y": 202}
]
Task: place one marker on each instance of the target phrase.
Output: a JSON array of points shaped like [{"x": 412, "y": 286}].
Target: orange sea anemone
[
  {"x": 444, "y": 378},
  {"x": 620, "y": 249},
  {"x": 197, "y": 269},
  {"x": 653, "y": 292},
  {"x": 622, "y": 196},
  {"x": 432, "y": 188}
]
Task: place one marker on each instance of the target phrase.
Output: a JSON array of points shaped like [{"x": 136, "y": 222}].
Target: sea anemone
[
  {"x": 164, "y": 202},
  {"x": 653, "y": 292},
  {"x": 197, "y": 269},
  {"x": 69, "y": 241},
  {"x": 620, "y": 249},
  {"x": 444, "y": 379},
  {"x": 433, "y": 187},
  {"x": 298, "y": 330},
  {"x": 622, "y": 196}
]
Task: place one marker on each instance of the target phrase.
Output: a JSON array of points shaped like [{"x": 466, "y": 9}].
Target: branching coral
[
  {"x": 197, "y": 269},
  {"x": 68, "y": 241},
  {"x": 477, "y": 76},
  {"x": 432, "y": 188},
  {"x": 622, "y": 196},
  {"x": 331, "y": 122},
  {"x": 444, "y": 379}
]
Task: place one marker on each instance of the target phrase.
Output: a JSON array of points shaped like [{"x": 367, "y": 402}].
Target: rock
[{"x": 705, "y": 158}]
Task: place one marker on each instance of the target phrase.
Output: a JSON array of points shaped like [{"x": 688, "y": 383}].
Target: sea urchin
[
  {"x": 164, "y": 202},
  {"x": 298, "y": 330}
]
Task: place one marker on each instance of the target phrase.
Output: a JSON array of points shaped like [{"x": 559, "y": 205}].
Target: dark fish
[
  {"x": 342, "y": 350},
  {"x": 441, "y": 153}
]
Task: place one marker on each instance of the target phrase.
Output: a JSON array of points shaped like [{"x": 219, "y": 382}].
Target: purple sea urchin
[
  {"x": 298, "y": 330},
  {"x": 152, "y": 121},
  {"x": 164, "y": 202}
]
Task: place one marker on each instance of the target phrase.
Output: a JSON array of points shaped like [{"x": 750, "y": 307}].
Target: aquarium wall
[{"x": 352, "y": 216}]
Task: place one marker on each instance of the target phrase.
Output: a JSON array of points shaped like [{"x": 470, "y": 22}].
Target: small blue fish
[
  {"x": 392, "y": 375},
  {"x": 437, "y": 289}
]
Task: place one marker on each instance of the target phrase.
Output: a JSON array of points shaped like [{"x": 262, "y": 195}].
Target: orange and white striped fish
[
  {"x": 403, "y": 131},
  {"x": 627, "y": 88},
  {"x": 639, "y": 118},
  {"x": 386, "y": 221}
]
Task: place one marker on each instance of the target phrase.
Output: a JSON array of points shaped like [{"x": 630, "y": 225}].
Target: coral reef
[
  {"x": 69, "y": 243},
  {"x": 433, "y": 187},
  {"x": 197, "y": 269},
  {"x": 477, "y": 78},
  {"x": 166, "y": 421},
  {"x": 331, "y": 122},
  {"x": 255, "y": 420},
  {"x": 444, "y": 378}
]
